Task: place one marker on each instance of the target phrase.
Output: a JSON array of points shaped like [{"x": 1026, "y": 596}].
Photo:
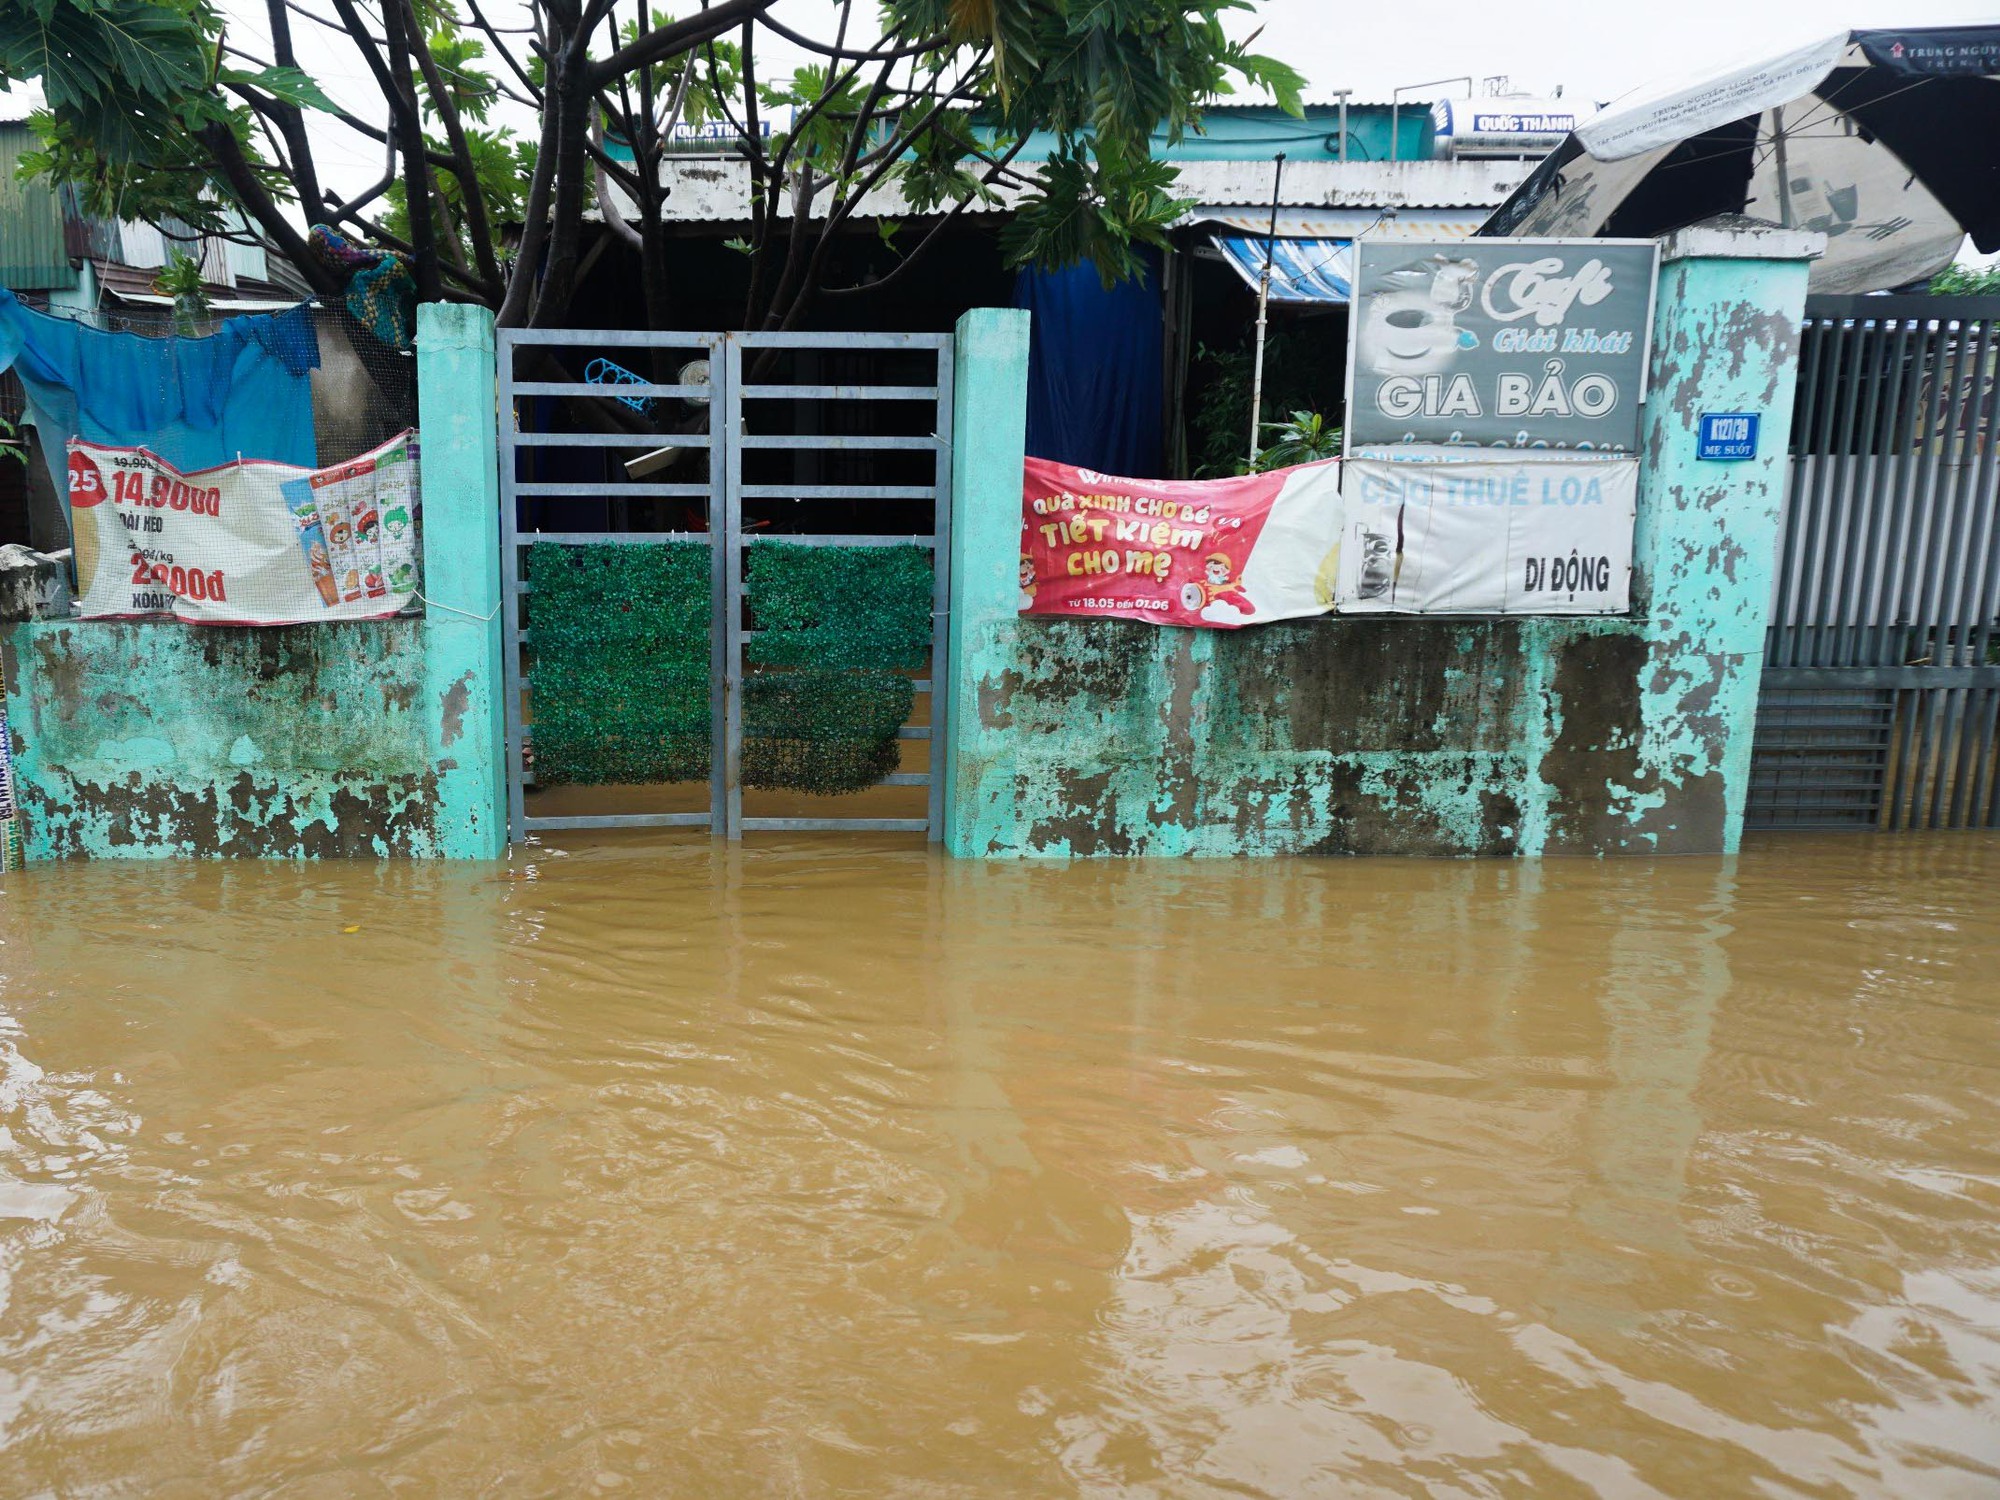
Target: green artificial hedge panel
[
  {"x": 620, "y": 638},
  {"x": 620, "y": 676},
  {"x": 838, "y": 629}
]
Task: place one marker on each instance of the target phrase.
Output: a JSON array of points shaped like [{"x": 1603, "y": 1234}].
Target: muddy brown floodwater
[{"x": 830, "y": 1168}]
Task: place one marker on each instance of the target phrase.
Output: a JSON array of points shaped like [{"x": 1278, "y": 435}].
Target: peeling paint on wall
[
  {"x": 299, "y": 742},
  {"x": 143, "y": 739},
  {"x": 1387, "y": 735}
]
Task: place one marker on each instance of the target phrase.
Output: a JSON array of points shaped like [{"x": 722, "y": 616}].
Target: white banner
[
  {"x": 1508, "y": 534},
  {"x": 248, "y": 543}
]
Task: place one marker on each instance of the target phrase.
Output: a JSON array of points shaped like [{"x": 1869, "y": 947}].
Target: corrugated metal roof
[
  {"x": 1342, "y": 223},
  {"x": 1353, "y": 184},
  {"x": 717, "y": 191},
  {"x": 33, "y": 255}
]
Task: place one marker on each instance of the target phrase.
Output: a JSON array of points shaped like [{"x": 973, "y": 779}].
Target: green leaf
[{"x": 288, "y": 85}]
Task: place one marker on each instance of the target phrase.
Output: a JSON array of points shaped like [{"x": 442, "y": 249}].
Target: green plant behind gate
[{"x": 621, "y": 662}]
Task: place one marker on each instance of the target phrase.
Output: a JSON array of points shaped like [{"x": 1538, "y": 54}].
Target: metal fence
[
  {"x": 796, "y": 451},
  {"x": 1881, "y": 684}
]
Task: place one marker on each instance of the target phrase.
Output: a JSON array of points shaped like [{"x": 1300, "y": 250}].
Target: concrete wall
[
  {"x": 146, "y": 739},
  {"x": 1396, "y": 735}
]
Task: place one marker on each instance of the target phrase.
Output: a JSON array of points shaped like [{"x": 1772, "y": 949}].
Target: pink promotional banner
[{"x": 1219, "y": 553}]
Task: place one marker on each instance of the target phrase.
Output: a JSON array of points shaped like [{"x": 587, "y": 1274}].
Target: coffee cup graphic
[{"x": 1411, "y": 323}]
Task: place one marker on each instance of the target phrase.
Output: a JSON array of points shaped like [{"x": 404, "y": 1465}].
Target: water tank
[{"x": 1501, "y": 126}]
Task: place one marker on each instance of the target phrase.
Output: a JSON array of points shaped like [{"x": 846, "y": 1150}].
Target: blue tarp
[
  {"x": 244, "y": 391},
  {"x": 1094, "y": 378},
  {"x": 1301, "y": 270}
]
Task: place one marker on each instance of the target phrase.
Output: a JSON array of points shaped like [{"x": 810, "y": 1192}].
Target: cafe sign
[{"x": 1500, "y": 343}]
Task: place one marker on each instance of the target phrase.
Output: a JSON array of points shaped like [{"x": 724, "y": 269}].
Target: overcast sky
[
  {"x": 1597, "y": 51},
  {"x": 1593, "y": 51}
]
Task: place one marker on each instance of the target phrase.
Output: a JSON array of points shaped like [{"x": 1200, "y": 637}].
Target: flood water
[{"x": 829, "y": 1168}]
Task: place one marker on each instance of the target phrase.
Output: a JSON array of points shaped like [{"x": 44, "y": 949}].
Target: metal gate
[
  {"x": 792, "y": 426},
  {"x": 1881, "y": 682}
]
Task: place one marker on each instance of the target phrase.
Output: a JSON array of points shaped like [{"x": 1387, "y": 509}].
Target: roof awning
[
  {"x": 1340, "y": 223},
  {"x": 1302, "y": 271}
]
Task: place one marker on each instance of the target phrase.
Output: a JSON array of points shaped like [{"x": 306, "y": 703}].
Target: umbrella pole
[
  {"x": 1263, "y": 302},
  {"x": 1784, "y": 173}
]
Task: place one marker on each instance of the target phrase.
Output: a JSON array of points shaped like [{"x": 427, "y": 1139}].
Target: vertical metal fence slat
[
  {"x": 1965, "y": 764},
  {"x": 510, "y": 592},
  {"x": 940, "y": 693},
  {"x": 1835, "y": 499},
  {"x": 1981, "y": 574},
  {"x": 1909, "y": 778},
  {"x": 1912, "y": 500},
  {"x": 1862, "y": 465},
  {"x": 1987, "y": 791},
  {"x": 1947, "y": 508},
  {"x": 1950, "y": 705},
  {"x": 1812, "y": 498},
  {"x": 1812, "y": 356},
  {"x": 1946, "y": 705},
  {"x": 725, "y": 452},
  {"x": 732, "y": 593},
  {"x": 1971, "y": 416},
  {"x": 1882, "y": 482}
]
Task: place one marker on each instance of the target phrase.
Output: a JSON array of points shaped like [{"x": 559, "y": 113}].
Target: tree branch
[
  {"x": 257, "y": 202},
  {"x": 534, "y": 230},
  {"x": 682, "y": 36},
  {"x": 477, "y": 227},
  {"x": 506, "y": 53},
  {"x": 407, "y": 125},
  {"x": 839, "y": 50},
  {"x": 931, "y": 235},
  {"x": 291, "y": 121}
]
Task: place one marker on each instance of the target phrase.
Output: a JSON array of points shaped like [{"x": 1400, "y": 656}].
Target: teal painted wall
[
  {"x": 1392, "y": 736},
  {"x": 147, "y": 739}
]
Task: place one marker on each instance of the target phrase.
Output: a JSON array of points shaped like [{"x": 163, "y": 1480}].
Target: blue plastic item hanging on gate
[{"x": 606, "y": 372}]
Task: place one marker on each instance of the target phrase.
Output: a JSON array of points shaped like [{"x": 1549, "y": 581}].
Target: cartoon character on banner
[
  {"x": 1027, "y": 582},
  {"x": 1217, "y": 596}
]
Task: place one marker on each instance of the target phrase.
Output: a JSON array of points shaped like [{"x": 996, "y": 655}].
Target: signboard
[
  {"x": 1728, "y": 436},
  {"x": 1217, "y": 552},
  {"x": 1500, "y": 343},
  {"x": 1480, "y": 534},
  {"x": 248, "y": 543}
]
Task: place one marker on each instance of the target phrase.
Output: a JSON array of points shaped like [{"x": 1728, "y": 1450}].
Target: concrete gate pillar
[
  {"x": 1725, "y": 340},
  {"x": 461, "y": 536}
]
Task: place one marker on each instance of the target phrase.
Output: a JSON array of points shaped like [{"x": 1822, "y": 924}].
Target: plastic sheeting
[
  {"x": 1301, "y": 270},
  {"x": 1095, "y": 387},
  {"x": 245, "y": 391}
]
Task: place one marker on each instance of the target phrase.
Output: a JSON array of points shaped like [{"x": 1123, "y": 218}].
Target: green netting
[
  {"x": 621, "y": 667},
  {"x": 620, "y": 637},
  {"x": 837, "y": 630}
]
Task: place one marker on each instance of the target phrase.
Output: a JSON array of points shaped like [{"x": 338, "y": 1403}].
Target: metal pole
[
  {"x": 1784, "y": 172},
  {"x": 1263, "y": 303},
  {"x": 1342, "y": 96}
]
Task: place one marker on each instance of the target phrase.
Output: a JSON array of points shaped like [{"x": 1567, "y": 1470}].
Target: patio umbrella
[{"x": 1886, "y": 142}]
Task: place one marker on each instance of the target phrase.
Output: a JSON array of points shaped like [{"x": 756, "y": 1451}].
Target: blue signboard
[{"x": 1728, "y": 435}]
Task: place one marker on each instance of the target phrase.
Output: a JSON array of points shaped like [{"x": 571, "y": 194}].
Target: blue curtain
[
  {"x": 243, "y": 391},
  {"x": 1094, "y": 380}
]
